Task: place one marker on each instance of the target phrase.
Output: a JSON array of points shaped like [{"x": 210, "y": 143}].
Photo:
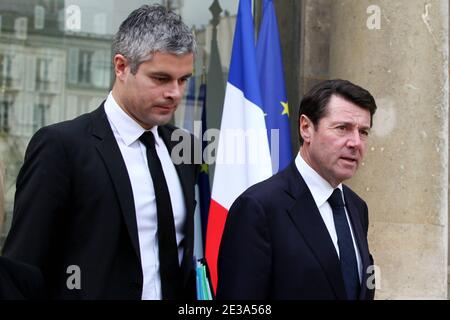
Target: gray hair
[{"x": 150, "y": 29}]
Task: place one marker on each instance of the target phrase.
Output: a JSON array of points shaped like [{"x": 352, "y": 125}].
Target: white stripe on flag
[{"x": 243, "y": 156}]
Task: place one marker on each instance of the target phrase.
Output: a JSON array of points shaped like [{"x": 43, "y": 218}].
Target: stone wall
[{"x": 2, "y": 197}]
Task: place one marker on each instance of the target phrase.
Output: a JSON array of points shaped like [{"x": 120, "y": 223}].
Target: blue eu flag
[
  {"x": 203, "y": 178},
  {"x": 273, "y": 91}
]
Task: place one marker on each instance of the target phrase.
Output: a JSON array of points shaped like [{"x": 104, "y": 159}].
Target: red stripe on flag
[{"x": 216, "y": 223}]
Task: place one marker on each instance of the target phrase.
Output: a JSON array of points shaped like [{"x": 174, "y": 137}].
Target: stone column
[
  {"x": 404, "y": 178},
  {"x": 2, "y": 197},
  {"x": 316, "y": 24}
]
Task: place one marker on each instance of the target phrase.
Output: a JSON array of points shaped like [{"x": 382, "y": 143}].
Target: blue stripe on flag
[
  {"x": 243, "y": 69},
  {"x": 203, "y": 178},
  {"x": 273, "y": 92},
  {"x": 189, "y": 112}
]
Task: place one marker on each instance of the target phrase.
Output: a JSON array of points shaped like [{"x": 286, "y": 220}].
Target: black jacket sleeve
[
  {"x": 20, "y": 281},
  {"x": 42, "y": 192}
]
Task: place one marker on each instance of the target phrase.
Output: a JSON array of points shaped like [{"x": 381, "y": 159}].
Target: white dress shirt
[
  {"x": 321, "y": 190},
  {"x": 127, "y": 132}
]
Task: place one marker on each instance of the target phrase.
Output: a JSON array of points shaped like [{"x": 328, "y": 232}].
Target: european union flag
[
  {"x": 203, "y": 178},
  {"x": 189, "y": 108},
  {"x": 273, "y": 91},
  {"x": 242, "y": 112}
]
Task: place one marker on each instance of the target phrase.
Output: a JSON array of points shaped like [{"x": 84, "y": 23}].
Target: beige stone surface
[
  {"x": 404, "y": 177},
  {"x": 409, "y": 257},
  {"x": 2, "y": 197},
  {"x": 316, "y": 44}
]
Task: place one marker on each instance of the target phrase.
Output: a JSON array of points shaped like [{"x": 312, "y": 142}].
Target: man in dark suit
[
  {"x": 20, "y": 281},
  {"x": 301, "y": 234},
  {"x": 92, "y": 206}
]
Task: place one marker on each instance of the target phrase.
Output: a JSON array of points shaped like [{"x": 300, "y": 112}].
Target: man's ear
[
  {"x": 121, "y": 66},
  {"x": 306, "y": 128}
]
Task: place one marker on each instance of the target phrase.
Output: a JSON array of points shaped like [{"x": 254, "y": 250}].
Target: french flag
[{"x": 243, "y": 153}]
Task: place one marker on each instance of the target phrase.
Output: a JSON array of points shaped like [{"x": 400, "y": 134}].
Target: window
[
  {"x": 39, "y": 116},
  {"x": 21, "y": 28},
  {"x": 6, "y": 73},
  {"x": 4, "y": 117},
  {"x": 39, "y": 17},
  {"x": 6, "y": 101},
  {"x": 5, "y": 70},
  {"x": 42, "y": 74},
  {"x": 85, "y": 66},
  {"x": 89, "y": 67}
]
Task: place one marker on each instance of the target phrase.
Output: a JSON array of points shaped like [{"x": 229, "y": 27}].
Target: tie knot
[
  {"x": 148, "y": 139},
  {"x": 335, "y": 200}
]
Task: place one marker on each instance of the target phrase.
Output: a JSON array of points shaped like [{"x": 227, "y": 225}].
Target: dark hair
[
  {"x": 314, "y": 104},
  {"x": 150, "y": 29}
]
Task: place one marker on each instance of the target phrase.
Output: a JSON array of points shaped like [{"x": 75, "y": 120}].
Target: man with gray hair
[{"x": 100, "y": 206}]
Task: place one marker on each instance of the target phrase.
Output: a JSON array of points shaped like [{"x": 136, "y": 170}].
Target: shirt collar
[
  {"x": 320, "y": 189},
  {"x": 128, "y": 129}
]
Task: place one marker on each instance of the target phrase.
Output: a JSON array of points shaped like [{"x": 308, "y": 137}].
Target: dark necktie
[
  {"x": 349, "y": 266},
  {"x": 168, "y": 250}
]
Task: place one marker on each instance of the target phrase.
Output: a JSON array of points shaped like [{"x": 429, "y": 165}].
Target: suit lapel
[
  {"x": 106, "y": 145},
  {"x": 359, "y": 238},
  {"x": 307, "y": 219}
]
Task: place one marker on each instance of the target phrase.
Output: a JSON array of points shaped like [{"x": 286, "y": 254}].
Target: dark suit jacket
[
  {"x": 74, "y": 206},
  {"x": 19, "y": 281},
  {"x": 276, "y": 246}
]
